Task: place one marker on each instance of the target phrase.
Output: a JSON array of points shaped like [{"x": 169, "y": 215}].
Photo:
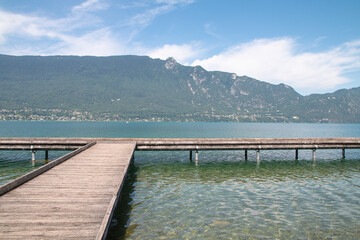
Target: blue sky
[{"x": 313, "y": 46}]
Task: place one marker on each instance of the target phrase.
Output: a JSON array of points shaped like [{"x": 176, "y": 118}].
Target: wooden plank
[
  {"x": 47, "y": 234},
  {"x": 23, "y": 179},
  {"x": 73, "y": 200},
  {"x": 180, "y": 144},
  {"x": 101, "y": 235},
  {"x": 183, "y": 141},
  {"x": 179, "y": 147}
]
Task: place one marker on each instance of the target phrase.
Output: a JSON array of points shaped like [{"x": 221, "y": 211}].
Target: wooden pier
[
  {"x": 73, "y": 200},
  {"x": 181, "y": 144},
  {"x": 74, "y": 196}
]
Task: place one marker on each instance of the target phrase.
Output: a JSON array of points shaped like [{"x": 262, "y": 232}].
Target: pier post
[
  {"x": 46, "y": 156},
  {"x": 258, "y": 156},
  {"x": 33, "y": 157},
  {"x": 343, "y": 153},
  {"x": 190, "y": 156},
  {"x": 296, "y": 154},
  {"x": 313, "y": 154},
  {"x": 196, "y": 157},
  {"x": 246, "y": 154}
]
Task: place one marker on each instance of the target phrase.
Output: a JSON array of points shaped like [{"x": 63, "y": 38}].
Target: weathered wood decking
[
  {"x": 73, "y": 200},
  {"x": 152, "y": 144},
  {"x": 42, "y": 143},
  {"x": 171, "y": 144}
]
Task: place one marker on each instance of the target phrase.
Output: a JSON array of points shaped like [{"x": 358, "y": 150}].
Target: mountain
[{"x": 141, "y": 88}]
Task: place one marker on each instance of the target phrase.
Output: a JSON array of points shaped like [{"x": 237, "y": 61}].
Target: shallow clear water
[{"x": 225, "y": 197}]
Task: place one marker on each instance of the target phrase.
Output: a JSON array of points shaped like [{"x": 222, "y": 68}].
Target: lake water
[{"x": 225, "y": 197}]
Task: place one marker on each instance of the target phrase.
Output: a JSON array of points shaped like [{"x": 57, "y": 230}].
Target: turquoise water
[
  {"x": 240, "y": 200},
  {"x": 174, "y": 129},
  {"x": 168, "y": 197}
]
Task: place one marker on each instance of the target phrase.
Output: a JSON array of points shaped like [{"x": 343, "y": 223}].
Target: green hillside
[{"x": 141, "y": 88}]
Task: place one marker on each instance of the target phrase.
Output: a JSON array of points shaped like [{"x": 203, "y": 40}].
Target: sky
[{"x": 311, "y": 45}]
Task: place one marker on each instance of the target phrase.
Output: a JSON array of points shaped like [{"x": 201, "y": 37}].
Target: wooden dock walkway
[
  {"x": 73, "y": 200},
  {"x": 76, "y": 199}
]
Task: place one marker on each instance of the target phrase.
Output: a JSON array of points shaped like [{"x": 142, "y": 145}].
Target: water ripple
[{"x": 278, "y": 199}]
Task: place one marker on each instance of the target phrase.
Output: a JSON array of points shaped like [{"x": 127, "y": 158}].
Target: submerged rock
[{"x": 219, "y": 223}]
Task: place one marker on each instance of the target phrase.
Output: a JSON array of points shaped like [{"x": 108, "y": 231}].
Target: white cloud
[
  {"x": 145, "y": 18},
  {"x": 82, "y": 32},
  {"x": 63, "y": 36},
  {"x": 182, "y": 53},
  {"x": 276, "y": 61},
  {"x": 11, "y": 23},
  {"x": 96, "y": 43},
  {"x": 90, "y": 5},
  {"x": 209, "y": 31},
  {"x": 154, "y": 9},
  {"x": 173, "y": 2}
]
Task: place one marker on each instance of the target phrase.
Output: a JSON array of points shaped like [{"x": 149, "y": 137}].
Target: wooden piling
[
  {"x": 313, "y": 154},
  {"x": 33, "y": 157},
  {"x": 196, "y": 156}
]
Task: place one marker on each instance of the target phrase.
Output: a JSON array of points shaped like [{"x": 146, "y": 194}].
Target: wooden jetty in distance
[
  {"x": 246, "y": 144},
  {"x": 74, "y": 196},
  {"x": 188, "y": 144}
]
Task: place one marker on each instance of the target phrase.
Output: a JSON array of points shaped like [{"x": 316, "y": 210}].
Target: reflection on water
[{"x": 167, "y": 197}]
